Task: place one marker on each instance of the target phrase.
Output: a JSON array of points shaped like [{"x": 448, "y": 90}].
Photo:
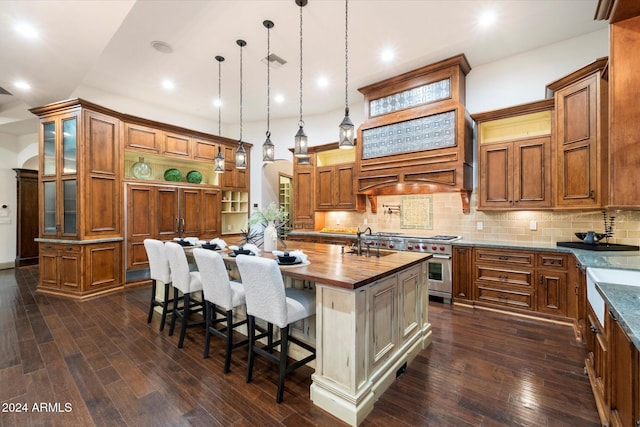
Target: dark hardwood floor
[{"x": 99, "y": 363}]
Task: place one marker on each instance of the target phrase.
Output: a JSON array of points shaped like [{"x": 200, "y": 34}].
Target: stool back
[
  {"x": 179, "y": 267},
  {"x": 158, "y": 262},
  {"x": 215, "y": 279},
  {"x": 264, "y": 289}
]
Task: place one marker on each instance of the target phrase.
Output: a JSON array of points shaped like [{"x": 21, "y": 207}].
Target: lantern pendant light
[
  {"x": 300, "y": 148},
  {"x": 346, "y": 134},
  {"x": 218, "y": 160},
  {"x": 268, "y": 148},
  {"x": 241, "y": 153}
]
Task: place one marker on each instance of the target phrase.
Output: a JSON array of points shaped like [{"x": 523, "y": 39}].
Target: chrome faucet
[{"x": 359, "y": 238}]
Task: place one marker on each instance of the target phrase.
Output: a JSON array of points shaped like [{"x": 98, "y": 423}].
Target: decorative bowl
[
  {"x": 286, "y": 259},
  {"x": 210, "y": 246},
  {"x": 241, "y": 251},
  {"x": 173, "y": 175},
  {"x": 590, "y": 237},
  {"x": 194, "y": 177}
]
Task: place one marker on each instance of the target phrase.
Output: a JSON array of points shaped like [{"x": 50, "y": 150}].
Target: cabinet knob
[{"x": 594, "y": 329}]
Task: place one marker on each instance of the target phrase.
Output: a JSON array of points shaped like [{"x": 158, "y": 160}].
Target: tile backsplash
[{"x": 509, "y": 226}]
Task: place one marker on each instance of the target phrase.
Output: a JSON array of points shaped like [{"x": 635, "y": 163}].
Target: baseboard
[{"x": 7, "y": 265}]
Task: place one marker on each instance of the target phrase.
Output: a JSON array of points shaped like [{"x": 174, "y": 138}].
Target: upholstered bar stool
[
  {"x": 267, "y": 299},
  {"x": 221, "y": 295},
  {"x": 187, "y": 282},
  {"x": 159, "y": 271}
]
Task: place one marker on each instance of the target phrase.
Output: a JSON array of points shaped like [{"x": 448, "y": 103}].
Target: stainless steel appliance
[{"x": 438, "y": 267}]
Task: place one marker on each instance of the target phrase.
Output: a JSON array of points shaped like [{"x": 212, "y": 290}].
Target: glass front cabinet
[{"x": 59, "y": 138}]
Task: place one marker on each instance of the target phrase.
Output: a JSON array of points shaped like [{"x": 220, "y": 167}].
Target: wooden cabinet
[
  {"x": 551, "y": 283},
  {"x": 581, "y": 130},
  {"x": 80, "y": 198},
  {"x": 176, "y": 145},
  {"x": 26, "y": 217},
  {"x": 625, "y": 377},
  {"x": 165, "y": 212},
  {"x": 515, "y": 157},
  {"x": 234, "y": 178},
  {"x": 303, "y": 194},
  {"x": 336, "y": 188},
  {"x": 624, "y": 86},
  {"x": 142, "y": 138},
  {"x": 462, "y": 273},
  {"x": 383, "y": 335},
  {"x": 80, "y": 270},
  {"x": 597, "y": 362}
]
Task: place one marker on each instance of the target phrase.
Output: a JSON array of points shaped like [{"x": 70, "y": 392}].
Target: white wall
[{"x": 515, "y": 80}]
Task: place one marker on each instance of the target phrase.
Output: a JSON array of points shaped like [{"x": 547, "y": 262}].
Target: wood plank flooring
[{"x": 99, "y": 363}]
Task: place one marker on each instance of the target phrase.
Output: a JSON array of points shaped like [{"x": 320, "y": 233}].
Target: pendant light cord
[
  {"x": 220, "y": 59},
  {"x": 346, "y": 55},
  {"x": 301, "y": 65},
  {"x": 268, "y": 81},
  {"x": 241, "y": 46}
]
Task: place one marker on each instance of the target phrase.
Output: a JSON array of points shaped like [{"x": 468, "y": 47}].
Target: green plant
[
  {"x": 271, "y": 213},
  {"x": 172, "y": 175}
]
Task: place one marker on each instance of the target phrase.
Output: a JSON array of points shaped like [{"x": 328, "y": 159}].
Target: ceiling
[{"x": 105, "y": 47}]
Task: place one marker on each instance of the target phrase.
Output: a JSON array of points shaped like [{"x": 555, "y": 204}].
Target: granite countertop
[{"x": 624, "y": 303}]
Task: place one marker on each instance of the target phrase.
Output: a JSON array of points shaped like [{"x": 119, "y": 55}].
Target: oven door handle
[{"x": 441, "y": 256}]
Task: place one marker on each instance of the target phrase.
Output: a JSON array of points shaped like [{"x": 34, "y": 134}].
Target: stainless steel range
[{"x": 438, "y": 267}]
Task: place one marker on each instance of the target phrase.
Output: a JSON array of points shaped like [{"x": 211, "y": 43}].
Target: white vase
[{"x": 270, "y": 241}]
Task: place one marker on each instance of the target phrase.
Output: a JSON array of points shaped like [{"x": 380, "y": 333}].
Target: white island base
[{"x": 365, "y": 338}]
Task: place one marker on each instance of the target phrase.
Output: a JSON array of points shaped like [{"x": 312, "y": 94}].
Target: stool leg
[
  {"x": 185, "y": 320},
  {"x": 227, "y": 359},
  {"x": 284, "y": 350},
  {"x": 174, "y": 312},
  {"x": 165, "y": 306},
  {"x": 152, "y": 304},
  {"x": 270, "y": 337},
  {"x": 251, "y": 322},
  {"x": 207, "y": 324}
]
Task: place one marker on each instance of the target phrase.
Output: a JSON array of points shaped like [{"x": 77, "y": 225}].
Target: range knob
[
  {"x": 423, "y": 247},
  {"x": 384, "y": 244},
  {"x": 416, "y": 246},
  {"x": 434, "y": 247},
  {"x": 391, "y": 245},
  {"x": 442, "y": 248},
  {"x": 410, "y": 248}
]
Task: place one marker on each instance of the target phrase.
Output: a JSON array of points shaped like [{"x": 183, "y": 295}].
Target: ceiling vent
[
  {"x": 274, "y": 61},
  {"x": 3, "y": 91}
]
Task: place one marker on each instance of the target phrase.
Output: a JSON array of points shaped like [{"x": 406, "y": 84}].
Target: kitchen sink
[{"x": 607, "y": 275}]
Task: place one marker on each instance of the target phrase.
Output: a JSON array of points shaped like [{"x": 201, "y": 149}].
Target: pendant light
[
  {"x": 218, "y": 161},
  {"x": 268, "y": 147},
  {"x": 300, "y": 148},
  {"x": 241, "y": 153},
  {"x": 346, "y": 134}
]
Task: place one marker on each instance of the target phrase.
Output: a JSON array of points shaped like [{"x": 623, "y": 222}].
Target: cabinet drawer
[
  {"x": 500, "y": 275},
  {"x": 504, "y": 257},
  {"x": 550, "y": 260},
  {"x": 506, "y": 297}
]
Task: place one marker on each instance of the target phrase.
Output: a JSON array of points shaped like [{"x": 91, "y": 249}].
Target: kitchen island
[{"x": 371, "y": 321}]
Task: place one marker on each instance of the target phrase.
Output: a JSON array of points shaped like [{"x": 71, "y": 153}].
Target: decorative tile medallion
[{"x": 417, "y": 212}]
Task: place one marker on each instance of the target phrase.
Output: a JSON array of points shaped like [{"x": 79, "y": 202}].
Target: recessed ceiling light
[
  {"x": 27, "y": 31},
  {"x": 487, "y": 18},
  {"x": 22, "y": 85},
  {"x": 387, "y": 55},
  {"x": 161, "y": 46},
  {"x": 322, "y": 81},
  {"x": 168, "y": 84},
  {"x": 279, "y": 98},
  {"x": 217, "y": 102}
]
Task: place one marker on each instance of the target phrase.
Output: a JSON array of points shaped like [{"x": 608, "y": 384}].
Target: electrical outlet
[
  {"x": 533, "y": 225},
  {"x": 479, "y": 225},
  {"x": 366, "y": 221}
]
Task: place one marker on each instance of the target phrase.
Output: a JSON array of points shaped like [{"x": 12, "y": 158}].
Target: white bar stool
[{"x": 159, "y": 271}]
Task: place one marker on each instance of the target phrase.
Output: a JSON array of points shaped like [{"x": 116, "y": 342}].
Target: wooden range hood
[{"x": 417, "y": 136}]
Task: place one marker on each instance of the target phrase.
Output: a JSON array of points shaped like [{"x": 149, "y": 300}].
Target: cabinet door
[
  {"x": 142, "y": 138},
  {"x": 210, "y": 210},
  {"x": 324, "y": 187},
  {"x": 624, "y": 377},
  {"x": 597, "y": 364},
  {"x": 303, "y": 194},
  {"x": 167, "y": 213},
  {"x": 344, "y": 189},
  {"x": 532, "y": 173},
  {"x": 141, "y": 222},
  {"x": 496, "y": 176},
  {"x": 462, "y": 273},
  {"x": 576, "y": 135},
  {"x": 190, "y": 214},
  {"x": 176, "y": 145},
  {"x": 70, "y": 268},
  {"x": 552, "y": 292},
  {"x": 48, "y": 266},
  {"x": 383, "y": 306},
  {"x": 204, "y": 150},
  {"x": 409, "y": 302}
]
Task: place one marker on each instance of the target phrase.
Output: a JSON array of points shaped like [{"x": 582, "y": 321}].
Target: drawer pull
[
  {"x": 68, "y": 248},
  {"x": 503, "y": 257}
]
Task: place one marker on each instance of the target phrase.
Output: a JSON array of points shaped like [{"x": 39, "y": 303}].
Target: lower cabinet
[
  {"x": 596, "y": 363},
  {"x": 80, "y": 270},
  {"x": 625, "y": 378},
  {"x": 383, "y": 312},
  {"x": 462, "y": 273}
]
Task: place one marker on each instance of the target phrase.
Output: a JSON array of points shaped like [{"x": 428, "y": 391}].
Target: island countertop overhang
[{"x": 328, "y": 265}]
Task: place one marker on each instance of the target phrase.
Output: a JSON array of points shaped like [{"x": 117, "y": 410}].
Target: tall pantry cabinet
[{"x": 80, "y": 199}]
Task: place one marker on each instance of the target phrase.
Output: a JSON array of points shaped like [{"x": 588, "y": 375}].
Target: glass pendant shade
[
  {"x": 218, "y": 162},
  {"x": 241, "y": 157},
  {"x": 268, "y": 149},
  {"x": 304, "y": 160},
  {"x": 300, "y": 147},
  {"x": 346, "y": 140}
]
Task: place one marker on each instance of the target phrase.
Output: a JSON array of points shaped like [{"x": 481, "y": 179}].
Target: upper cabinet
[
  {"x": 80, "y": 171},
  {"x": 515, "y": 163},
  {"x": 335, "y": 181},
  {"x": 417, "y": 134},
  {"x": 304, "y": 193},
  {"x": 624, "y": 86},
  {"x": 581, "y": 131}
]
